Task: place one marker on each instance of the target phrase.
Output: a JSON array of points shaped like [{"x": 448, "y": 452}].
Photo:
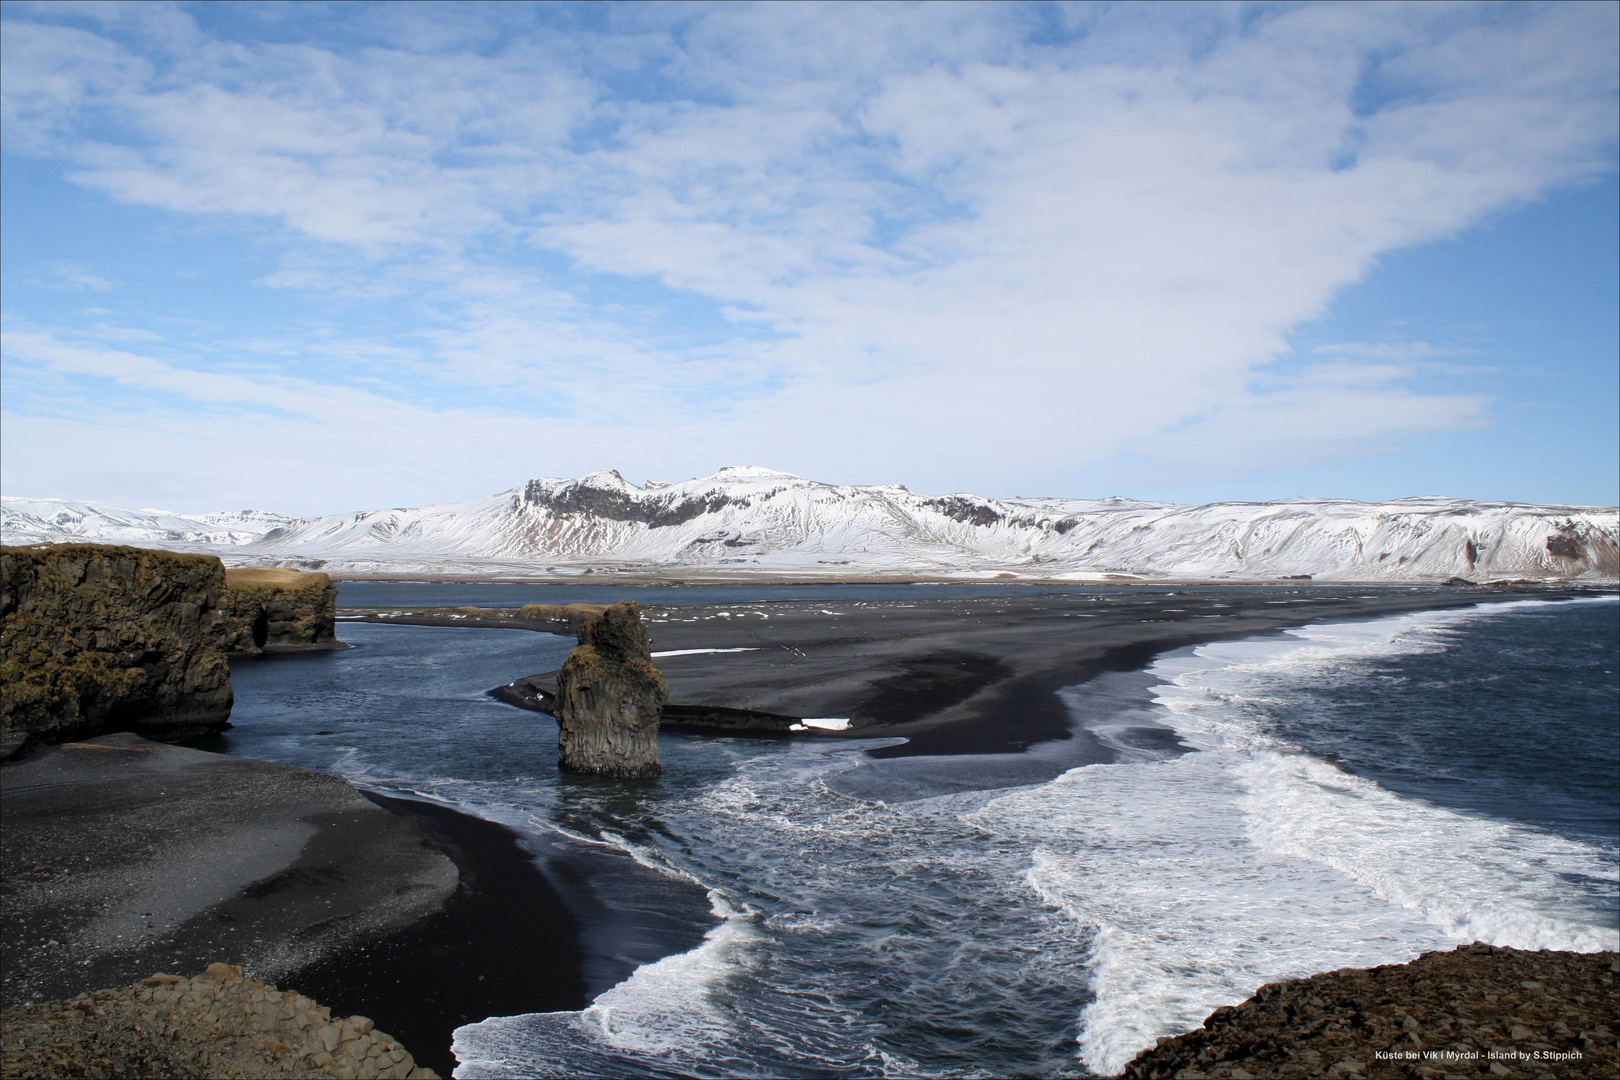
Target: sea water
[{"x": 1347, "y": 793}]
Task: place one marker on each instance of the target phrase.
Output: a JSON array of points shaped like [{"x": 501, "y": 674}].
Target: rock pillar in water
[{"x": 609, "y": 698}]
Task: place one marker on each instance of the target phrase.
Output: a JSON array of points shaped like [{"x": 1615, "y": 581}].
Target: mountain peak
[
  {"x": 605, "y": 478},
  {"x": 752, "y": 472}
]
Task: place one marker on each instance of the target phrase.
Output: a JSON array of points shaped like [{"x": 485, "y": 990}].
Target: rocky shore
[
  {"x": 1480, "y": 1010},
  {"x": 219, "y": 1024}
]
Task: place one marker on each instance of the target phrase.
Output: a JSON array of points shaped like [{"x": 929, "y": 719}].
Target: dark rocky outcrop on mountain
[
  {"x": 617, "y": 504},
  {"x": 609, "y": 696},
  {"x": 276, "y": 610},
  {"x": 968, "y": 511},
  {"x": 1479, "y": 1010},
  {"x": 96, "y": 639}
]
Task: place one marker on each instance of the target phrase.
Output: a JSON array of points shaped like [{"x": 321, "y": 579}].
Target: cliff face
[
  {"x": 609, "y": 696},
  {"x": 276, "y": 610},
  {"x": 95, "y": 639}
]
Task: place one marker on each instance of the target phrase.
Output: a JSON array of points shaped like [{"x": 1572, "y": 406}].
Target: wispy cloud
[
  {"x": 60, "y": 274},
  {"x": 867, "y": 242}
]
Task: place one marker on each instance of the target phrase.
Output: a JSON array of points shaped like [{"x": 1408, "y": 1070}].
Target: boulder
[
  {"x": 609, "y": 698},
  {"x": 277, "y": 610},
  {"x": 97, "y": 639}
]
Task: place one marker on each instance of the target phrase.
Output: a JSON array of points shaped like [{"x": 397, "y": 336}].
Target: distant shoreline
[
  {"x": 587, "y": 578},
  {"x": 951, "y": 675}
]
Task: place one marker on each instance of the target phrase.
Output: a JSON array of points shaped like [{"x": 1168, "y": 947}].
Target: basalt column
[{"x": 609, "y": 697}]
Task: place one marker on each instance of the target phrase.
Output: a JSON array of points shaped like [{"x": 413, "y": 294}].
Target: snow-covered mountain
[{"x": 748, "y": 520}]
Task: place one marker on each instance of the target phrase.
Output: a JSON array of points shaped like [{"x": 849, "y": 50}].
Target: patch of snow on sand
[{"x": 696, "y": 652}]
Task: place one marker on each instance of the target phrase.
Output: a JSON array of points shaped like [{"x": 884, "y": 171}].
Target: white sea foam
[
  {"x": 1195, "y": 880},
  {"x": 662, "y": 1011}
]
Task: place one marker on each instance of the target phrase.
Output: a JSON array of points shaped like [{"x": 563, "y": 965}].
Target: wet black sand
[
  {"x": 504, "y": 943},
  {"x": 528, "y": 930}
]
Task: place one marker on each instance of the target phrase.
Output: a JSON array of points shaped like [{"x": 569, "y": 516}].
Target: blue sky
[{"x": 316, "y": 257}]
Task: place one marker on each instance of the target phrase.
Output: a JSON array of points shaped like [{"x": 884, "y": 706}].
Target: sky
[{"x": 322, "y": 257}]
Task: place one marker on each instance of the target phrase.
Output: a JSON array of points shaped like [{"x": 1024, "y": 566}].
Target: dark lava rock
[
  {"x": 96, "y": 639},
  {"x": 1566, "y": 545},
  {"x": 276, "y": 610},
  {"x": 219, "y": 1025},
  {"x": 1480, "y": 1010},
  {"x": 609, "y": 697}
]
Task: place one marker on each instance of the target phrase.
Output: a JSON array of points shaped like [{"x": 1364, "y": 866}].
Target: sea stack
[
  {"x": 276, "y": 610},
  {"x": 609, "y": 697}
]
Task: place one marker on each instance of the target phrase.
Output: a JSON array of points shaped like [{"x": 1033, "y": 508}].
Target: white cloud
[
  {"x": 65, "y": 274},
  {"x": 929, "y": 243}
]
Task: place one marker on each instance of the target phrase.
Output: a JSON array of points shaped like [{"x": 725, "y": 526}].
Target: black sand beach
[
  {"x": 422, "y": 981},
  {"x": 125, "y": 858},
  {"x": 526, "y": 931}
]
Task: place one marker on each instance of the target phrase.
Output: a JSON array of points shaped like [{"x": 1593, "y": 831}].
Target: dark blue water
[
  {"x": 1353, "y": 794},
  {"x": 1514, "y": 715}
]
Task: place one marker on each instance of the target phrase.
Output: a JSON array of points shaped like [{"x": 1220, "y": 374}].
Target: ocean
[{"x": 1340, "y": 794}]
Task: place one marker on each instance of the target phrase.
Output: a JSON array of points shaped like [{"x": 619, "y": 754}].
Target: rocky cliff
[
  {"x": 1479, "y": 1010},
  {"x": 609, "y": 697},
  {"x": 277, "y": 610},
  {"x": 96, "y": 639}
]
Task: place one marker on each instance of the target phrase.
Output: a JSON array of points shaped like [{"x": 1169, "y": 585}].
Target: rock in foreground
[
  {"x": 218, "y": 1024},
  {"x": 1479, "y": 1010},
  {"x": 609, "y": 697}
]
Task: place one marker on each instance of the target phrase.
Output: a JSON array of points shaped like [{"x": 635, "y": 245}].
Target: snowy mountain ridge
[{"x": 750, "y": 520}]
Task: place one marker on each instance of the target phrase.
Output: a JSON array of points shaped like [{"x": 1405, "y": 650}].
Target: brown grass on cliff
[{"x": 244, "y": 578}]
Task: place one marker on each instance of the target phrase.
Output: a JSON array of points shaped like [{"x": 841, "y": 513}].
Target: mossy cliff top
[{"x": 275, "y": 578}]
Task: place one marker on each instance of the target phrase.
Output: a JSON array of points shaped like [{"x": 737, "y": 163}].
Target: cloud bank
[{"x": 959, "y": 246}]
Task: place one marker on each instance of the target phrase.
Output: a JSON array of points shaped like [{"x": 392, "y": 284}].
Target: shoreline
[
  {"x": 126, "y": 859},
  {"x": 504, "y": 942},
  {"x": 968, "y": 675},
  {"x": 533, "y": 927},
  {"x": 744, "y": 579}
]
